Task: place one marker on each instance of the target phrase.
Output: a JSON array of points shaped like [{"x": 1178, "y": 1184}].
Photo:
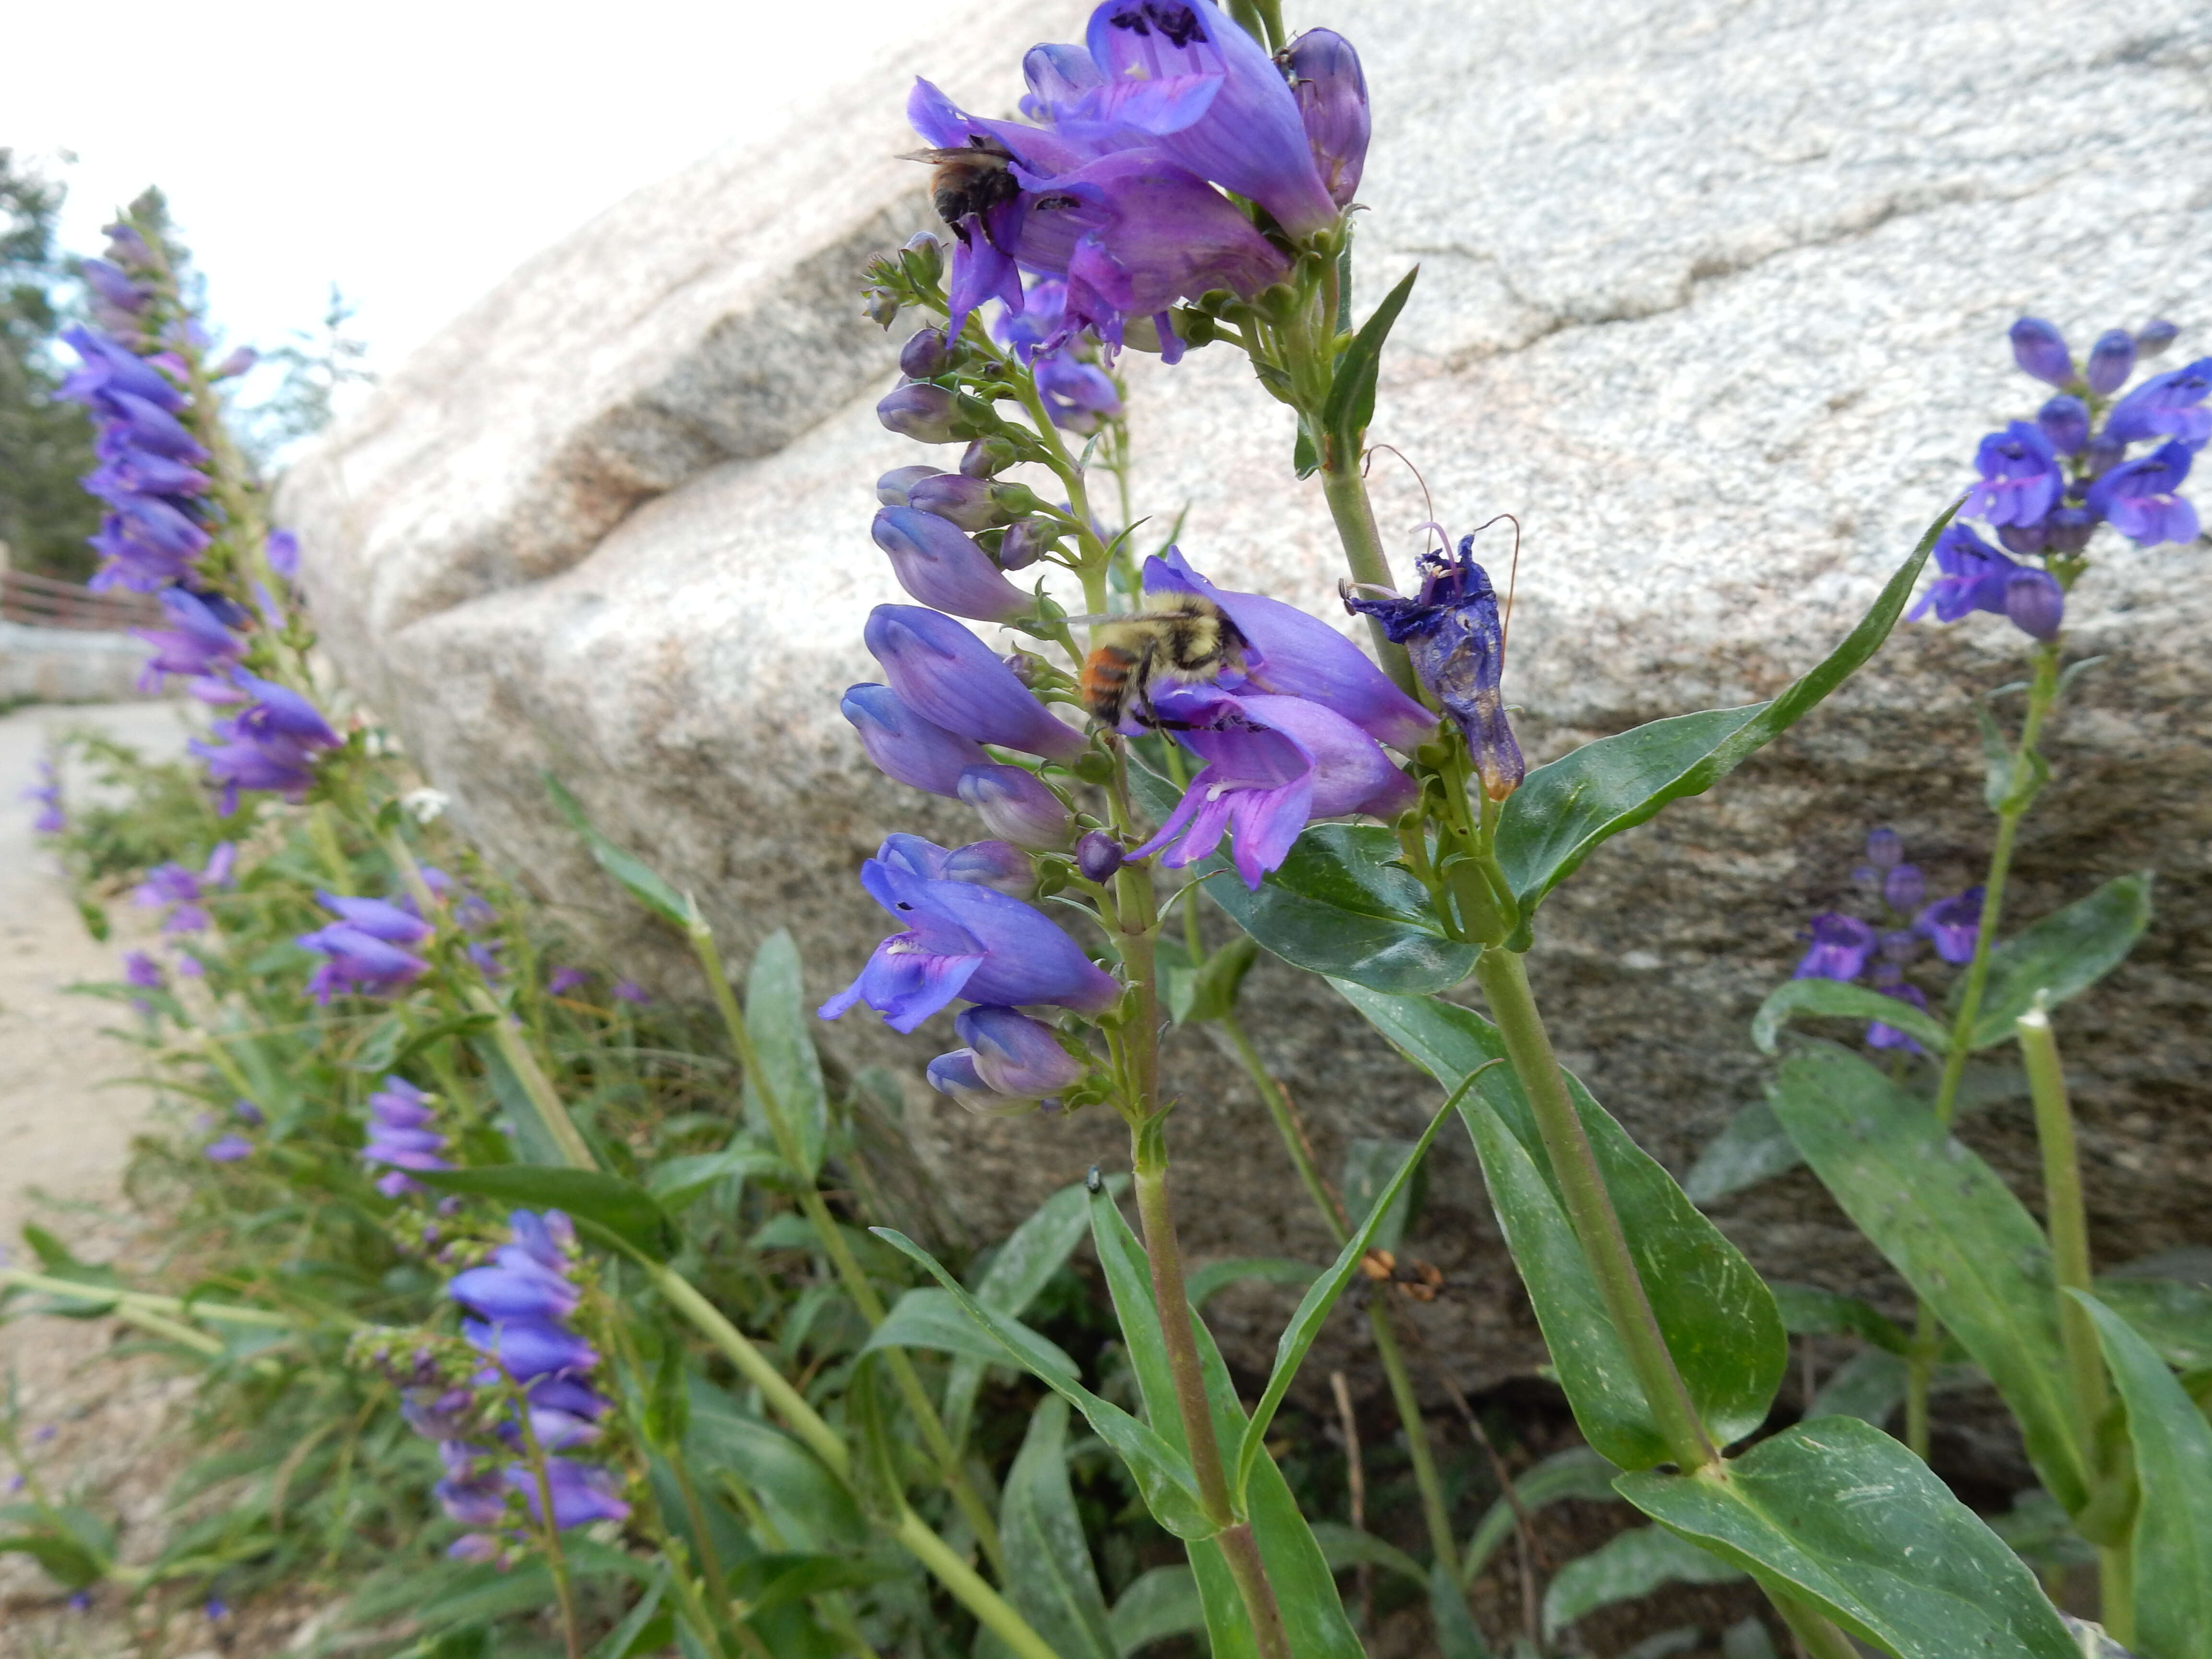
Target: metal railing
[{"x": 45, "y": 602}]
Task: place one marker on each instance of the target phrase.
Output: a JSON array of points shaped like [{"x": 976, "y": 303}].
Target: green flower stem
[
  {"x": 146, "y": 1300},
  {"x": 535, "y": 1083},
  {"x": 1504, "y": 981},
  {"x": 834, "y": 1243},
  {"x": 1435, "y": 1511},
  {"x": 548, "y": 1528},
  {"x": 1239, "y": 1548},
  {"x": 1348, "y": 505},
  {"x": 2042, "y": 693},
  {"x": 989, "y": 1608},
  {"x": 1822, "y": 1640}
]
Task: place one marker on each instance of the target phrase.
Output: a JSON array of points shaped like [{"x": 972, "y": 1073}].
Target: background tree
[{"x": 46, "y": 445}]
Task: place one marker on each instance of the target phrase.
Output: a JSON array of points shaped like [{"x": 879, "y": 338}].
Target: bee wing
[
  {"x": 935, "y": 157},
  {"x": 1124, "y": 617}
]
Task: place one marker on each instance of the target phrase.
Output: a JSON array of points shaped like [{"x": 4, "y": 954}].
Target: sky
[{"x": 413, "y": 153}]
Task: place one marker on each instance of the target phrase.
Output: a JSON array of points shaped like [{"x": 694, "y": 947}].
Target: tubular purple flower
[
  {"x": 474, "y": 1500},
  {"x": 905, "y": 747},
  {"x": 1302, "y": 656},
  {"x": 524, "y": 1348},
  {"x": 927, "y": 414},
  {"x": 2036, "y": 604},
  {"x": 966, "y": 940},
  {"x": 282, "y": 548},
  {"x": 998, "y": 865},
  {"x": 2065, "y": 423},
  {"x": 1840, "y": 947},
  {"x": 402, "y": 1136},
  {"x": 1078, "y": 396},
  {"x": 109, "y": 368},
  {"x": 198, "y": 644},
  {"x": 355, "y": 961},
  {"x": 517, "y": 1288},
  {"x": 2020, "y": 480},
  {"x": 143, "y": 972},
  {"x": 228, "y": 1149},
  {"x": 1973, "y": 579},
  {"x": 943, "y": 569},
  {"x": 2112, "y": 360},
  {"x": 1885, "y": 848},
  {"x": 948, "y": 676},
  {"x": 1157, "y": 56},
  {"x": 1951, "y": 925},
  {"x": 1331, "y": 90},
  {"x": 582, "y": 1492},
  {"x": 2139, "y": 498},
  {"x": 2040, "y": 349},
  {"x": 377, "y": 918},
  {"x": 1017, "y": 1055},
  {"x": 2152, "y": 338},
  {"x": 113, "y": 285},
  {"x": 952, "y": 496},
  {"x": 2168, "y": 405},
  {"x": 955, "y": 1074},
  {"x": 1016, "y": 807}
]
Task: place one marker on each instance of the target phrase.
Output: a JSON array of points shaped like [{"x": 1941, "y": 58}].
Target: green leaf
[
  {"x": 1869, "y": 1386},
  {"x": 532, "y": 1141},
  {"x": 1212, "y": 990},
  {"x": 2173, "y": 1447},
  {"x": 1343, "y": 1546},
  {"x": 2174, "y": 1318},
  {"x": 1349, "y": 409},
  {"x": 1577, "y": 1472},
  {"x": 1562, "y": 811},
  {"x": 808, "y": 1506},
  {"x": 1320, "y": 1296},
  {"x": 783, "y": 1028},
  {"x": 1162, "y": 1473},
  {"x": 1630, "y": 1564},
  {"x": 1955, "y": 1231},
  {"x": 1049, "y": 1576},
  {"x": 1160, "y": 1603},
  {"x": 1369, "y": 1163},
  {"x": 926, "y": 1317},
  {"x": 644, "y": 884},
  {"x": 590, "y": 1198},
  {"x": 1204, "y": 1283},
  {"x": 681, "y": 1182},
  {"x": 1841, "y": 1516},
  {"x": 1808, "y": 1310},
  {"x": 1832, "y": 997},
  {"x": 1458, "y": 1636},
  {"x": 1719, "y": 1319},
  {"x": 66, "y": 1561},
  {"x": 618, "y": 1641},
  {"x": 1342, "y": 906},
  {"x": 2063, "y": 955}
]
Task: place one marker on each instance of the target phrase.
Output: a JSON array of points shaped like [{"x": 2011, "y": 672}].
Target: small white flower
[{"x": 424, "y": 805}]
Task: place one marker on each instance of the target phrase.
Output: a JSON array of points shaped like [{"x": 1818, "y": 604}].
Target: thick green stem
[
  {"x": 535, "y": 1085},
  {"x": 1148, "y": 1149},
  {"x": 220, "y": 1313},
  {"x": 1346, "y": 493},
  {"x": 1504, "y": 981},
  {"x": 991, "y": 1610},
  {"x": 2116, "y": 1592},
  {"x": 835, "y": 1245},
  {"x": 2065, "y": 1216},
  {"x": 1822, "y": 1640},
  {"x": 549, "y": 1526},
  {"x": 2042, "y": 693}
]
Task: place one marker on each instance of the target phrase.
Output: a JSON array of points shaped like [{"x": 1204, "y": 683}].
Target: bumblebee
[
  {"x": 1188, "y": 640},
  {"x": 969, "y": 182}
]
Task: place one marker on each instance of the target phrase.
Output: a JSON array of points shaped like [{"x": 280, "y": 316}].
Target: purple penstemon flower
[
  {"x": 2140, "y": 497},
  {"x": 228, "y": 1149},
  {"x": 2021, "y": 478},
  {"x": 198, "y": 645},
  {"x": 364, "y": 951},
  {"x": 1840, "y": 946},
  {"x": 1975, "y": 577},
  {"x": 1014, "y": 806},
  {"x": 270, "y": 744},
  {"x": 943, "y": 569},
  {"x": 50, "y": 819},
  {"x": 1273, "y": 765},
  {"x": 905, "y": 747},
  {"x": 1952, "y": 926},
  {"x": 1331, "y": 90},
  {"x": 963, "y": 940},
  {"x": 1016, "y": 1055},
  {"x": 949, "y": 677},
  {"x": 402, "y": 1136},
  {"x": 2040, "y": 349},
  {"x": 2168, "y": 405}
]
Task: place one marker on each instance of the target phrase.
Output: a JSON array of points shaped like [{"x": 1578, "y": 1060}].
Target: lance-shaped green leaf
[
  {"x": 782, "y": 1027},
  {"x": 1320, "y": 1296},
  {"x": 926, "y": 1317},
  {"x": 2175, "y": 1318},
  {"x": 1577, "y": 1472},
  {"x": 1719, "y": 1320},
  {"x": 1202, "y": 1284},
  {"x": 1049, "y": 1576},
  {"x": 1562, "y": 811},
  {"x": 1162, "y": 1473},
  {"x": 1839, "y": 1515},
  {"x": 1313, "y": 1612},
  {"x": 1626, "y": 1566},
  {"x": 590, "y": 1198},
  {"x": 1832, "y": 997},
  {"x": 2062, "y": 956},
  {"x": 1955, "y": 1231},
  {"x": 640, "y": 879},
  {"x": 1341, "y": 905},
  {"x": 1346, "y": 1547},
  {"x": 2172, "y": 1446},
  {"x": 1349, "y": 409},
  {"x": 1158, "y": 1604}
]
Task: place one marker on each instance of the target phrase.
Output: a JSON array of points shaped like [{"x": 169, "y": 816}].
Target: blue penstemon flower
[{"x": 1848, "y": 949}]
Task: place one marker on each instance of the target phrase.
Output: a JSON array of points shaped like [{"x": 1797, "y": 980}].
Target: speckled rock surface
[{"x": 1713, "y": 298}]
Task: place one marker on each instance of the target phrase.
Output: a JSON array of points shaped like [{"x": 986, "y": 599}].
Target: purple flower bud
[
  {"x": 112, "y": 285},
  {"x": 1879, "y": 1035},
  {"x": 2154, "y": 338},
  {"x": 1098, "y": 855},
  {"x": 2040, "y": 351},
  {"x": 1885, "y": 848},
  {"x": 2067, "y": 529},
  {"x": 998, "y": 865},
  {"x": 968, "y": 502},
  {"x": 2102, "y": 454},
  {"x": 956, "y": 1074},
  {"x": 2065, "y": 423},
  {"x": 949, "y": 676},
  {"x": 1016, "y": 807},
  {"x": 476, "y": 1500},
  {"x": 925, "y": 357},
  {"x": 892, "y": 487},
  {"x": 1840, "y": 947},
  {"x": 2036, "y": 604},
  {"x": 228, "y": 1150},
  {"x": 989, "y": 457},
  {"x": 1899, "y": 944},
  {"x": 1952, "y": 925},
  {"x": 905, "y": 747},
  {"x": 629, "y": 991},
  {"x": 1332, "y": 92},
  {"x": 518, "y": 1288},
  {"x": 1905, "y": 889},
  {"x": 143, "y": 972},
  {"x": 1022, "y": 546},
  {"x": 943, "y": 569},
  {"x": 927, "y": 414},
  {"x": 2024, "y": 539},
  {"x": 239, "y": 362},
  {"x": 1017, "y": 1055},
  {"x": 2112, "y": 360}
]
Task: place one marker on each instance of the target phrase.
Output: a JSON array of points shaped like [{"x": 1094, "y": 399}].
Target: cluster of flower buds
[
  {"x": 403, "y": 1135},
  {"x": 364, "y": 951},
  {"x": 1845, "y": 948},
  {"x": 180, "y": 894},
  {"x": 1122, "y": 180},
  {"x": 2046, "y": 484}
]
